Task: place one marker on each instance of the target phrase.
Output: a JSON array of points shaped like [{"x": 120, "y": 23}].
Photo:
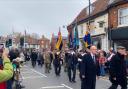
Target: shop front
[{"x": 119, "y": 36}]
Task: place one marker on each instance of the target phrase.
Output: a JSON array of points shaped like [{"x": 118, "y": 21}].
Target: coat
[
  {"x": 118, "y": 67},
  {"x": 89, "y": 69},
  {"x": 72, "y": 60},
  {"x": 34, "y": 56},
  {"x": 57, "y": 60},
  {"x": 47, "y": 58},
  {"x": 7, "y": 71}
]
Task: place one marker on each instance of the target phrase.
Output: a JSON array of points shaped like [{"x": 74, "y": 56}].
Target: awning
[{"x": 119, "y": 33}]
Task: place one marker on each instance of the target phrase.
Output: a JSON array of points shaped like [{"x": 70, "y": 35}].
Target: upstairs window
[
  {"x": 101, "y": 24},
  {"x": 123, "y": 16}
]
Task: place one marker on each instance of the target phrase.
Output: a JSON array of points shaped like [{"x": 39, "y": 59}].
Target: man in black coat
[
  {"x": 89, "y": 70},
  {"x": 118, "y": 74},
  {"x": 71, "y": 65},
  {"x": 34, "y": 58},
  {"x": 57, "y": 64}
]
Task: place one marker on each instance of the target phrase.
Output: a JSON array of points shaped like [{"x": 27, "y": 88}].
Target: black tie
[{"x": 94, "y": 59}]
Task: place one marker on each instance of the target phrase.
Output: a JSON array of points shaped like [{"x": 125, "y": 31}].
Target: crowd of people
[{"x": 91, "y": 64}]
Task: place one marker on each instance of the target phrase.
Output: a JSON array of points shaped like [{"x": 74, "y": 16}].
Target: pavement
[{"x": 35, "y": 78}]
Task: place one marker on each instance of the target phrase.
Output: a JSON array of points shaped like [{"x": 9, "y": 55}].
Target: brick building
[
  {"x": 98, "y": 19},
  {"x": 118, "y": 23},
  {"x": 44, "y": 43},
  {"x": 108, "y": 23}
]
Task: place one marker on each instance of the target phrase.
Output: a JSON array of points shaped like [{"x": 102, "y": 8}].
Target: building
[
  {"x": 44, "y": 43},
  {"x": 118, "y": 23},
  {"x": 98, "y": 24}
]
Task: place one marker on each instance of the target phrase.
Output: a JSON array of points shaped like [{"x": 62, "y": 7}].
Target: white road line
[
  {"x": 32, "y": 77},
  {"x": 25, "y": 66},
  {"x": 38, "y": 72},
  {"x": 51, "y": 87},
  {"x": 66, "y": 86},
  {"x": 26, "y": 72}
]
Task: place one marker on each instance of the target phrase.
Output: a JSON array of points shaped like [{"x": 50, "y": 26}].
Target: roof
[
  {"x": 99, "y": 6},
  {"x": 117, "y": 2}
]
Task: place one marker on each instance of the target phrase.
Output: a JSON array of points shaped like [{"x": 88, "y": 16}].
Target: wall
[{"x": 113, "y": 15}]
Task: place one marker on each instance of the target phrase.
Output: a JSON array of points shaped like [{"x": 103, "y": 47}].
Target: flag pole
[{"x": 89, "y": 13}]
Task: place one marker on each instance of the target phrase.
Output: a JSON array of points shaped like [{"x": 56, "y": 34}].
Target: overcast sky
[{"x": 38, "y": 16}]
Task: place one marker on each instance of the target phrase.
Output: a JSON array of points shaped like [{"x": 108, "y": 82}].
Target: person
[
  {"x": 57, "y": 64},
  {"x": 7, "y": 72},
  {"x": 3, "y": 84},
  {"x": 66, "y": 61},
  {"x": 13, "y": 53},
  {"x": 38, "y": 58},
  {"x": 47, "y": 61},
  {"x": 72, "y": 62},
  {"x": 81, "y": 54},
  {"x": 118, "y": 74},
  {"x": 34, "y": 58},
  {"x": 89, "y": 70},
  {"x": 102, "y": 61},
  {"x": 41, "y": 56},
  {"x": 27, "y": 56},
  {"x": 51, "y": 59}
]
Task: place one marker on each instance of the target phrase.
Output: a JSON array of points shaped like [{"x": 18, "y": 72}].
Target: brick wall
[{"x": 113, "y": 15}]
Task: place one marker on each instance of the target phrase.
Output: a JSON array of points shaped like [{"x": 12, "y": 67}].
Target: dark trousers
[
  {"x": 72, "y": 73},
  {"x": 33, "y": 64},
  {"x": 39, "y": 62},
  {"x": 9, "y": 84},
  {"x": 88, "y": 83},
  {"x": 57, "y": 69},
  {"x": 120, "y": 81}
]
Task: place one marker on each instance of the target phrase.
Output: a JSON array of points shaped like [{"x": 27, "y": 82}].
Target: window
[
  {"x": 123, "y": 16},
  {"x": 101, "y": 24}
]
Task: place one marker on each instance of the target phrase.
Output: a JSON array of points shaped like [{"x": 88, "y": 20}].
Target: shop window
[{"x": 123, "y": 16}]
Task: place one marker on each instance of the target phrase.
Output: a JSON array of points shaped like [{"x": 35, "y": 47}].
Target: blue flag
[
  {"x": 76, "y": 38},
  {"x": 87, "y": 39}
]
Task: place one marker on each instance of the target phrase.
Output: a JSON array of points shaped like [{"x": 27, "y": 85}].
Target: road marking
[
  {"x": 26, "y": 72},
  {"x": 66, "y": 86},
  {"x": 25, "y": 66},
  {"x": 51, "y": 87},
  {"x": 32, "y": 77},
  {"x": 38, "y": 72}
]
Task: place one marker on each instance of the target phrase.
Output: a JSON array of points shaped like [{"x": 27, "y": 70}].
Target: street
[{"x": 37, "y": 79}]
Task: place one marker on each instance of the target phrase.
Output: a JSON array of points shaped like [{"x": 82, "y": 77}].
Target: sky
[{"x": 43, "y": 17}]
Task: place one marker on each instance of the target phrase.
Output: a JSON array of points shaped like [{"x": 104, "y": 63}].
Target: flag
[
  {"x": 70, "y": 40},
  {"x": 59, "y": 43},
  {"x": 87, "y": 39},
  {"x": 76, "y": 38}
]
